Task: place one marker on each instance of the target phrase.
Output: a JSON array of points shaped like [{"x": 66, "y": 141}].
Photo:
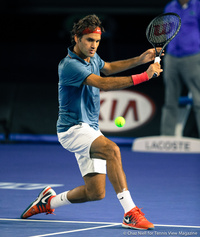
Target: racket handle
[{"x": 157, "y": 60}]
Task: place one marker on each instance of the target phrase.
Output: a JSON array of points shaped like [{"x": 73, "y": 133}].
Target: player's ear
[{"x": 75, "y": 39}]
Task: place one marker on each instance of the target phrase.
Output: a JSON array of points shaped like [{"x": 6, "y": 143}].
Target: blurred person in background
[{"x": 182, "y": 64}]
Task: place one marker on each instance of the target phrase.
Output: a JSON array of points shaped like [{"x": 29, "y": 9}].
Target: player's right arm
[
  {"x": 108, "y": 83},
  {"x": 116, "y": 83}
]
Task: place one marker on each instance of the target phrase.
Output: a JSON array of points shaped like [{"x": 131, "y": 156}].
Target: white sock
[
  {"x": 126, "y": 200},
  {"x": 59, "y": 200}
]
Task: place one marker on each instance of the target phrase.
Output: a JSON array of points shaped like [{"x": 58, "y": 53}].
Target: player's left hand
[{"x": 149, "y": 55}]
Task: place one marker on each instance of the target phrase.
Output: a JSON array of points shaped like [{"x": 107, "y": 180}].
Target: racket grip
[{"x": 157, "y": 60}]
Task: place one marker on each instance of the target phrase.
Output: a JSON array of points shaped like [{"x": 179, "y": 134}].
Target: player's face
[
  {"x": 182, "y": 2},
  {"x": 87, "y": 45}
]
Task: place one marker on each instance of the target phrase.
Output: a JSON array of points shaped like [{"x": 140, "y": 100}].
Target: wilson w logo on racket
[
  {"x": 164, "y": 29},
  {"x": 161, "y": 30}
]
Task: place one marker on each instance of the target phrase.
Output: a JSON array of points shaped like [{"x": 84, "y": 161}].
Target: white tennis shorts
[{"x": 78, "y": 139}]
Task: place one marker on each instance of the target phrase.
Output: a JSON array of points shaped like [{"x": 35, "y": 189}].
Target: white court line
[
  {"x": 92, "y": 222},
  {"x": 178, "y": 226},
  {"x": 56, "y": 221},
  {"x": 108, "y": 224},
  {"x": 73, "y": 231}
]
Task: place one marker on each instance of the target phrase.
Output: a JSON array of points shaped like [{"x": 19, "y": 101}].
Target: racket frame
[{"x": 157, "y": 59}]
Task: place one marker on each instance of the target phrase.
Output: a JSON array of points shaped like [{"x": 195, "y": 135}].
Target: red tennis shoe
[
  {"x": 135, "y": 219},
  {"x": 41, "y": 204}
]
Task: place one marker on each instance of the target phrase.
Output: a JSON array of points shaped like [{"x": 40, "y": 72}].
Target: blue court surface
[{"x": 166, "y": 186}]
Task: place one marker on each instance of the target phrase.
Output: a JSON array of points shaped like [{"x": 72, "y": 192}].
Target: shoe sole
[
  {"x": 35, "y": 201},
  {"x": 135, "y": 228}
]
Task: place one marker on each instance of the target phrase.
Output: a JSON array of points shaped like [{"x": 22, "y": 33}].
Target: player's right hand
[{"x": 154, "y": 68}]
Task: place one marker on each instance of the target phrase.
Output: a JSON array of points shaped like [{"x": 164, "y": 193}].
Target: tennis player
[{"x": 78, "y": 131}]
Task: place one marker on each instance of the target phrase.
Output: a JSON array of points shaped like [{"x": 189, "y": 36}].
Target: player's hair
[{"x": 90, "y": 21}]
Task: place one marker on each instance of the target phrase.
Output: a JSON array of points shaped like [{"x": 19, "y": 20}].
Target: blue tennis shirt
[
  {"x": 78, "y": 102},
  {"x": 187, "y": 41}
]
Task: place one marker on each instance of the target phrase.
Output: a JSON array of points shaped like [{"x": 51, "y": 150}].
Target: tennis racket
[{"x": 161, "y": 30}]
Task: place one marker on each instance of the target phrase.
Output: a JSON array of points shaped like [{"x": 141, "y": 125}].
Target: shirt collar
[
  {"x": 74, "y": 56},
  {"x": 187, "y": 4}
]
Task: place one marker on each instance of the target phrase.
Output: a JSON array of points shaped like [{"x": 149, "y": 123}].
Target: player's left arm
[{"x": 123, "y": 65}]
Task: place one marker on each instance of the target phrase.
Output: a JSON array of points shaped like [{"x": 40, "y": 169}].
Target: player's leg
[
  {"x": 76, "y": 142},
  {"x": 94, "y": 189},
  {"x": 103, "y": 148},
  {"x": 102, "y": 151}
]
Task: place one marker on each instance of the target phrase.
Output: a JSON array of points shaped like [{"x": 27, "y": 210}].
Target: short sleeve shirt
[
  {"x": 187, "y": 41},
  {"x": 78, "y": 102}
]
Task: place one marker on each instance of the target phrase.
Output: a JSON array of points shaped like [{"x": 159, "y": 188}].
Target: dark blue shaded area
[{"x": 165, "y": 185}]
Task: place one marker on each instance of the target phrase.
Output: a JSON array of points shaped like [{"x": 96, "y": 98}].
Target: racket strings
[{"x": 163, "y": 29}]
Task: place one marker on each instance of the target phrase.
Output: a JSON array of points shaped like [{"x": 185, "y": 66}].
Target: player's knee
[
  {"x": 114, "y": 152},
  {"x": 98, "y": 195}
]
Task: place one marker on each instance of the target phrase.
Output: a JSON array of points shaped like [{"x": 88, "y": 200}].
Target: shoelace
[
  {"x": 138, "y": 215},
  {"x": 50, "y": 212}
]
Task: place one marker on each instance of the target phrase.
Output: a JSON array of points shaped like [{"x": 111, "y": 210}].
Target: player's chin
[{"x": 91, "y": 54}]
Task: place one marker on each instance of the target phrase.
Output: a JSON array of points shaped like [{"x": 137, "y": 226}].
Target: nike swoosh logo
[
  {"x": 127, "y": 220},
  {"x": 121, "y": 198},
  {"x": 44, "y": 199}
]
